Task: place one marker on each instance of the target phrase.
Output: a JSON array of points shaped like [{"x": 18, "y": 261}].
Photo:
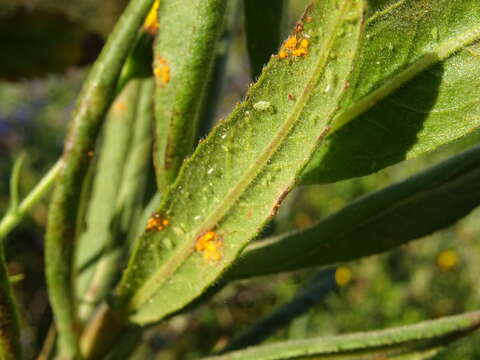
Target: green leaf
[
  {"x": 92, "y": 104},
  {"x": 15, "y": 183},
  {"x": 184, "y": 54},
  {"x": 391, "y": 119},
  {"x": 237, "y": 177},
  {"x": 138, "y": 162},
  {"x": 421, "y": 339},
  {"x": 375, "y": 223},
  {"x": 118, "y": 196},
  {"x": 97, "y": 242},
  {"x": 263, "y": 28},
  {"x": 139, "y": 61}
]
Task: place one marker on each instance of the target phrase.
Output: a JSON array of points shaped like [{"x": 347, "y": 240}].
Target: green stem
[
  {"x": 14, "y": 216},
  {"x": 102, "y": 332},
  {"x": 10, "y": 348},
  {"x": 93, "y": 102}
]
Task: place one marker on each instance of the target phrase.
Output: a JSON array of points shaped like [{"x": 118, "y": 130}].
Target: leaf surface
[
  {"x": 181, "y": 80},
  {"x": 237, "y": 177},
  {"x": 96, "y": 241},
  {"x": 392, "y": 117}
]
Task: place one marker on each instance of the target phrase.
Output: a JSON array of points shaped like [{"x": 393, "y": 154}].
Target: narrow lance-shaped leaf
[
  {"x": 132, "y": 191},
  {"x": 432, "y": 42},
  {"x": 237, "y": 177},
  {"x": 15, "y": 183},
  {"x": 422, "y": 339},
  {"x": 92, "y": 104},
  {"x": 375, "y": 223},
  {"x": 184, "y": 53},
  {"x": 95, "y": 244},
  {"x": 124, "y": 206},
  {"x": 263, "y": 30}
]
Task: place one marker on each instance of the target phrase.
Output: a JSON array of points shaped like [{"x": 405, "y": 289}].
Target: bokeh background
[{"x": 47, "y": 46}]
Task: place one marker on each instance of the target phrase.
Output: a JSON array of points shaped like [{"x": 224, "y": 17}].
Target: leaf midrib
[
  {"x": 443, "y": 51},
  {"x": 148, "y": 289}
]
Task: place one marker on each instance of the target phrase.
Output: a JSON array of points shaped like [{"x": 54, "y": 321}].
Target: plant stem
[
  {"x": 101, "y": 333},
  {"x": 10, "y": 348},
  {"x": 48, "y": 344},
  {"x": 14, "y": 216}
]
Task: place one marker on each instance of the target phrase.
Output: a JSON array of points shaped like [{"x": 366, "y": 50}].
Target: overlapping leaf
[{"x": 432, "y": 42}]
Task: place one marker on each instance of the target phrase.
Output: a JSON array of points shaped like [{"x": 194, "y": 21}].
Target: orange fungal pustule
[
  {"x": 157, "y": 222},
  {"x": 291, "y": 42},
  {"x": 295, "y": 45},
  {"x": 299, "y": 52},
  {"x": 282, "y": 54},
  {"x": 304, "y": 43},
  {"x": 209, "y": 246},
  {"x": 161, "y": 70}
]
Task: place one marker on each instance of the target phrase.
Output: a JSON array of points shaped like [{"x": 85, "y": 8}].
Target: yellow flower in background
[
  {"x": 151, "y": 21},
  {"x": 343, "y": 275},
  {"x": 447, "y": 259}
]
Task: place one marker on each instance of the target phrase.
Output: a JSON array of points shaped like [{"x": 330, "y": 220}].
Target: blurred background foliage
[{"x": 427, "y": 278}]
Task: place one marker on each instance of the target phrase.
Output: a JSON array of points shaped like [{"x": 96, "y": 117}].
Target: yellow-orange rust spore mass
[
  {"x": 119, "y": 106},
  {"x": 291, "y": 42},
  {"x": 209, "y": 245},
  {"x": 282, "y": 54},
  {"x": 295, "y": 45},
  {"x": 157, "y": 222},
  {"x": 162, "y": 70}
]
